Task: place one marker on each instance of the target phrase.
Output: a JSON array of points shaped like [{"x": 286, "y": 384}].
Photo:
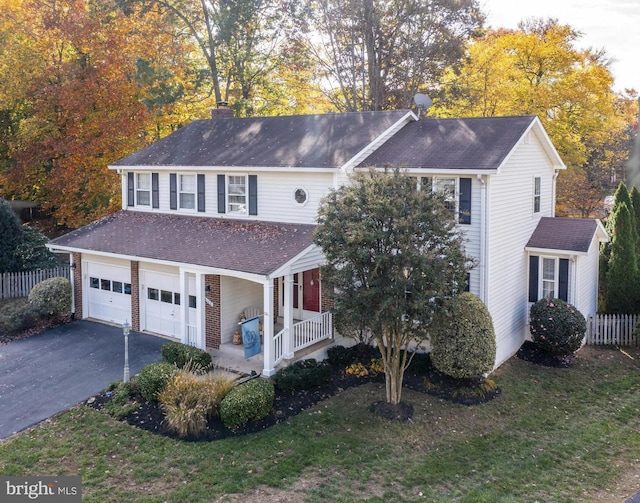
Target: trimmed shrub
[
  {"x": 180, "y": 354},
  {"x": 52, "y": 297},
  {"x": 557, "y": 327},
  {"x": 339, "y": 356},
  {"x": 247, "y": 402},
  {"x": 18, "y": 315},
  {"x": 189, "y": 400},
  {"x": 463, "y": 341},
  {"x": 301, "y": 375},
  {"x": 153, "y": 378}
]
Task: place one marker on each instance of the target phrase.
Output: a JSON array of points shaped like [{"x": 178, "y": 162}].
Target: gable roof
[
  {"x": 302, "y": 141},
  {"x": 253, "y": 247},
  {"x": 566, "y": 234},
  {"x": 479, "y": 143}
]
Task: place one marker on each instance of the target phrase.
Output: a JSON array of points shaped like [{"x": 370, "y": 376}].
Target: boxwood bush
[
  {"x": 247, "y": 402},
  {"x": 153, "y": 378},
  {"x": 463, "y": 341},
  {"x": 52, "y": 297},
  {"x": 557, "y": 327},
  {"x": 301, "y": 375},
  {"x": 180, "y": 354}
]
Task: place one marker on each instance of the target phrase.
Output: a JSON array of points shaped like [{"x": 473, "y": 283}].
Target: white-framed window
[
  {"x": 300, "y": 196},
  {"x": 187, "y": 192},
  {"x": 548, "y": 286},
  {"x": 143, "y": 189},
  {"x": 237, "y": 194},
  {"x": 537, "y": 194},
  {"x": 446, "y": 186}
]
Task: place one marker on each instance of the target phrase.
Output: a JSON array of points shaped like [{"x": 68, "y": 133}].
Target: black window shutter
[
  {"x": 155, "y": 191},
  {"x": 200, "y": 192},
  {"x": 563, "y": 281},
  {"x": 173, "y": 191},
  {"x": 221, "y": 194},
  {"x": 253, "y": 194},
  {"x": 131, "y": 190},
  {"x": 533, "y": 278},
  {"x": 465, "y": 201}
]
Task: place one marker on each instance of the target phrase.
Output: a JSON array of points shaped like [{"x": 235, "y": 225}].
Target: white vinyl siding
[
  {"x": 236, "y": 295},
  {"x": 511, "y": 224}
]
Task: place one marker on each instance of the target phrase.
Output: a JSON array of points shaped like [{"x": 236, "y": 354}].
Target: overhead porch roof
[{"x": 242, "y": 246}]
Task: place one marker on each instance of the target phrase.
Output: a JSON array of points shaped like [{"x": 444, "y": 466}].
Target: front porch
[{"x": 305, "y": 339}]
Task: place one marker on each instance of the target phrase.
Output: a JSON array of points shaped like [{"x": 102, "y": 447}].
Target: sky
[{"x": 610, "y": 24}]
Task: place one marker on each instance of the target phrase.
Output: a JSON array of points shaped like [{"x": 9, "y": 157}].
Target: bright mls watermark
[{"x": 49, "y": 489}]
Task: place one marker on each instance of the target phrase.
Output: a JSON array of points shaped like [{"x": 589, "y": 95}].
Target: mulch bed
[
  {"x": 531, "y": 352},
  {"x": 150, "y": 417}
]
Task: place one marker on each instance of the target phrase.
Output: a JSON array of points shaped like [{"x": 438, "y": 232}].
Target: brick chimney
[{"x": 222, "y": 111}]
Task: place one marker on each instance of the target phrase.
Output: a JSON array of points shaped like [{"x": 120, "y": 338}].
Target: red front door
[{"x": 311, "y": 290}]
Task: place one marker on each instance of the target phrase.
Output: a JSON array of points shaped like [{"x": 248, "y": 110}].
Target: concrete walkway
[{"x": 52, "y": 371}]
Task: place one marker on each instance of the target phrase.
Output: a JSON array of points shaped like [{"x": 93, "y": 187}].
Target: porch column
[
  {"x": 184, "y": 307},
  {"x": 268, "y": 350},
  {"x": 288, "y": 317},
  {"x": 200, "y": 317}
]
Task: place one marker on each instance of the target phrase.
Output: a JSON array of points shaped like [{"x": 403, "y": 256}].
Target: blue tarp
[{"x": 251, "y": 337}]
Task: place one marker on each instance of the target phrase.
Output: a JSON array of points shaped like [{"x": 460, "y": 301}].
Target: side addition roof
[
  {"x": 237, "y": 245},
  {"x": 480, "y": 143},
  {"x": 566, "y": 234},
  {"x": 303, "y": 141}
]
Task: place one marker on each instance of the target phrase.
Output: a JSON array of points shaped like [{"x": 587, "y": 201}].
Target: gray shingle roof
[
  {"x": 472, "y": 143},
  {"x": 239, "y": 245},
  {"x": 570, "y": 234},
  {"x": 303, "y": 141}
]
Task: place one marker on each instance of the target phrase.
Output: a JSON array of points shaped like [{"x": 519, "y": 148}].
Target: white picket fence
[
  {"x": 19, "y": 284},
  {"x": 612, "y": 329}
]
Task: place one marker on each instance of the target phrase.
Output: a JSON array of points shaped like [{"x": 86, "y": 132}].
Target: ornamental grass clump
[
  {"x": 190, "y": 399},
  {"x": 557, "y": 327}
]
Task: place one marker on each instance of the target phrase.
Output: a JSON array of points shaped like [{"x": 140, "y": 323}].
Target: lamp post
[{"x": 126, "y": 328}]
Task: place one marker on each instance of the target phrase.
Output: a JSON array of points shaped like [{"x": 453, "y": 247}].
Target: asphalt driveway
[{"x": 52, "y": 371}]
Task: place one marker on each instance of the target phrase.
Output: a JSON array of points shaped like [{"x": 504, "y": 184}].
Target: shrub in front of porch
[
  {"x": 247, "y": 402},
  {"x": 301, "y": 375},
  {"x": 153, "y": 378},
  {"x": 181, "y": 354},
  {"x": 557, "y": 327}
]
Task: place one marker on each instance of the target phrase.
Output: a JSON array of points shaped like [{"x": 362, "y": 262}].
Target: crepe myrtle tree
[{"x": 393, "y": 254}]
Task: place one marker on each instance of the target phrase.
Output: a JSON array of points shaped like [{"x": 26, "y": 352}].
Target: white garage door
[
  {"x": 161, "y": 297},
  {"x": 108, "y": 290}
]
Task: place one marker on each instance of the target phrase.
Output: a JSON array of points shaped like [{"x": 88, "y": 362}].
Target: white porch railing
[
  {"x": 191, "y": 336},
  {"x": 305, "y": 334},
  {"x": 308, "y": 332},
  {"x": 278, "y": 346}
]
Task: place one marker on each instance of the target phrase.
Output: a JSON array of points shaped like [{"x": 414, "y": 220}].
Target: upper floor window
[
  {"x": 143, "y": 189},
  {"x": 537, "y": 192},
  {"x": 187, "y": 192},
  {"x": 237, "y": 194},
  {"x": 456, "y": 191}
]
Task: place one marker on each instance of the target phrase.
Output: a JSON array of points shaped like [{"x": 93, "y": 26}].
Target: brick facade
[
  {"x": 77, "y": 285},
  {"x": 135, "y": 295},
  {"x": 213, "y": 329}
]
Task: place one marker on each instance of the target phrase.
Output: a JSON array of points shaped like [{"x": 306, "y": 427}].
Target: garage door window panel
[
  {"x": 153, "y": 294},
  {"x": 105, "y": 284},
  {"x": 94, "y": 282},
  {"x": 166, "y": 296}
]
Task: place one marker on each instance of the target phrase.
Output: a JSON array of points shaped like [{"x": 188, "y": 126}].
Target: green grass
[{"x": 554, "y": 435}]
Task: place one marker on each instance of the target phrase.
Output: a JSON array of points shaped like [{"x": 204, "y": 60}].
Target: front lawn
[{"x": 554, "y": 434}]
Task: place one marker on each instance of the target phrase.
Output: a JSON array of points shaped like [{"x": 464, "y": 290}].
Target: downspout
[{"x": 553, "y": 190}]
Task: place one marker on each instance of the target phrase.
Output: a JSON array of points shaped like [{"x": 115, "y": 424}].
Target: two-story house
[{"x": 218, "y": 218}]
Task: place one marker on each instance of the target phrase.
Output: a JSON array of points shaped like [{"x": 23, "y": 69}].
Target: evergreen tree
[
  {"x": 622, "y": 270},
  {"x": 11, "y": 237},
  {"x": 634, "y": 195}
]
